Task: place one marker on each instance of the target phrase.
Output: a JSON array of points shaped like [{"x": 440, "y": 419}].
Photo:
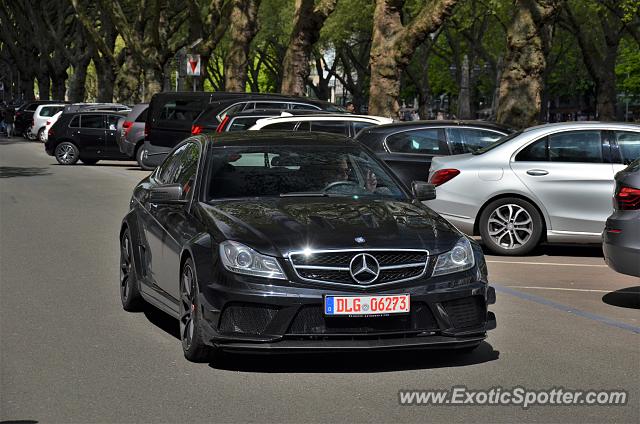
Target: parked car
[
  {"x": 171, "y": 115},
  {"x": 131, "y": 132},
  {"x": 548, "y": 183},
  {"x": 48, "y": 125},
  {"x": 86, "y": 107},
  {"x": 39, "y": 121},
  {"x": 24, "y": 114},
  {"x": 344, "y": 124},
  {"x": 242, "y": 121},
  {"x": 85, "y": 136},
  {"x": 408, "y": 147},
  {"x": 277, "y": 241},
  {"x": 621, "y": 236}
]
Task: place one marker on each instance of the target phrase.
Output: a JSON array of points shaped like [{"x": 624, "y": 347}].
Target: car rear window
[
  {"x": 50, "y": 111},
  {"x": 243, "y": 123},
  {"x": 287, "y": 126},
  {"x": 629, "y": 145}
]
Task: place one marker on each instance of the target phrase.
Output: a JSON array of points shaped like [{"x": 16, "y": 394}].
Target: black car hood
[{"x": 281, "y": 225}]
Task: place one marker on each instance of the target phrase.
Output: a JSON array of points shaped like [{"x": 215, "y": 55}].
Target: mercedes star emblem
[{"x": 364, "y": 268}]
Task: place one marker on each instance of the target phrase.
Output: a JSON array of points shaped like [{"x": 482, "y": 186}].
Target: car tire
[
  {"x": 67, "y": 153},
  {"x": 139, "y": 154},
  {"x": 89, "y": 161},
  {"x": 510, "y": 226},
  {"x": 129, "y": 289},
  {"x": 193, "y": 346},
  {"x": 41, "y": 135}
]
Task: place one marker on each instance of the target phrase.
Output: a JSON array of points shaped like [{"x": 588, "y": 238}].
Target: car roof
[
  {"x": 582, "y": 124},
  {"x": 434, "y": 123},
  {"x": 323, "y": 117},
  {"x": 270, "y": 138},
  {"x": 278, "y": 113}
]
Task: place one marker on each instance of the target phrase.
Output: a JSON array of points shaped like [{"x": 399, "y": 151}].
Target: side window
[
  {"x": 186, "y": 169},
  {"x": 475, "y": 139},
  {"x": 429, "y": 141},
  {"x": 534, "y": 152},
  {"x": 166, "y": 172},
  {"x": 300, "y": 106},
  {"x": 112, "y": 122},
  {"x": 75, "y": 122},
  {"x": 575, "y": 146},
  {"x": 334, "y": 127},
  {"x": 629, "y": 145},
  {"x": 359, "y": 126},
  {"x": 287, "y": 126},
  {"x": 231, "y": 109},
  {"x": 268, "y": 105},
  {"x": 241, "y": 124},
  {"x": 92, "y": 121}
]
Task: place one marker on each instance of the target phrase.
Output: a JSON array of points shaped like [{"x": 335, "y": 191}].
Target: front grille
[
  {"x": 467, "y": 312},
  {"x": 333, "y": 266},
  {"x": 311, "y": 321},
  {"x": 246, "y": 318}
]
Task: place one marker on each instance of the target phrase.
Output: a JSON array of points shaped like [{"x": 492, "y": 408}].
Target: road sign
[{"x": 193, "y": 65}]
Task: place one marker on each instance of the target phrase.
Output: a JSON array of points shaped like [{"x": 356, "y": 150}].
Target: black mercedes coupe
[{"x": 292, "y": 241}]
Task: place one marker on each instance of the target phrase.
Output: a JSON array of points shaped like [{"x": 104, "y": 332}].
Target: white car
[
  {"x": 344, "y": 124},
  {"x": 550, "y": 183},
  {"x": 50, "y": 121},
  {"x": 42, "y": 114}
]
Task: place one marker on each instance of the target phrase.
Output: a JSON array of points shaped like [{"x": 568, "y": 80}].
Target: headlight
[
  {"x": 460, "y": 258},
  {"x": 238, "y": 258}
]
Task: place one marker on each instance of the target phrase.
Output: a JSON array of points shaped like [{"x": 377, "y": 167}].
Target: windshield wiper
[{"x": 305, "y": 194}]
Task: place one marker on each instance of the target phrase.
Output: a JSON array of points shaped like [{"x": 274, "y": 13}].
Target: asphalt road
[{"x": 69, "y": 353}]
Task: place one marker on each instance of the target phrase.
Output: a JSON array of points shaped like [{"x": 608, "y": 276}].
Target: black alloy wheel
[
  {"x": 194, "y": 348},
  {"x": 129, "y": 290}
]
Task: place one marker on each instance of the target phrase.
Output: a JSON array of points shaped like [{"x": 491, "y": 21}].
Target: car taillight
[
  {"x": 441, "y": 176},
  {"x": 126, "y": 126},
  {"x": 221, "y": 125},
  {"x": 196, "y": 129},
  {"x": 627, "y": 199}
]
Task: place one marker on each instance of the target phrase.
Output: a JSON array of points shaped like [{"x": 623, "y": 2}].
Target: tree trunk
[
  {"x": 78, "y": 79},
  {"x": 308, "y": 21},
  {"x": 464, "y": 95},
  {"x": 44, "y": 86},
  {"x": 26, "y": 88},
  {"x": 606, "y": 94},
  {"x": 106, "y": 79},
  {"x": 127, "y": 84},
  {"x": 58, "y": 86},
  {"x": 152, "y": 82},
  {"x": 244, "y": 26},
  {"x": 522, "y": 79},
  {"x": 393, "y": 45}
]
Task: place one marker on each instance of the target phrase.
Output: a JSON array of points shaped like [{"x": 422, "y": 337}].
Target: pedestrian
[
  {"x": 9, "y": 119},
  {"x": 350, "y": 107}
]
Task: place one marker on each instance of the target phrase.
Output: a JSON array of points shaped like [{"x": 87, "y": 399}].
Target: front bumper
[{"x": 258, "y": 317}]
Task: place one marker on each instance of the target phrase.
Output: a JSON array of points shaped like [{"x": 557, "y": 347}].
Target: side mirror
[
  {"x": 166, "y": 194},
  {"x": 423, "y": 191}
]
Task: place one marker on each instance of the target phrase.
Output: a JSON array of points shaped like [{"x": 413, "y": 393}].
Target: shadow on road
[
  {"x": 163, "y": 321},
  {"x": 347, "y": 362},
  {"x": 19, "y": 422},
  {"x": 624, "y": 298},
  {"x": 22, "y": 171},
  {"x": 576, "y": 250}
]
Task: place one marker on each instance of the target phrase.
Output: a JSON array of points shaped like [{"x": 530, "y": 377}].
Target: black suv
[
  {"x": 87, "y": 136},
  {"x": 172, "y": 114},
  {"x": 408, "y": 147}
]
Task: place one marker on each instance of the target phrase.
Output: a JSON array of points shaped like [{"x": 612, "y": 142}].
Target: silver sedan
[{"x": 550, "y": 183}]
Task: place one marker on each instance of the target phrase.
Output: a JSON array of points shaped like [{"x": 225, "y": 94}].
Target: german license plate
[{"x": 366, "y": 305}]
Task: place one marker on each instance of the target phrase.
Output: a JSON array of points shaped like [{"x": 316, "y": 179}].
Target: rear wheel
[
  {"x": 89, "y": 161},
  {"x": 193, "y": 346},
  {"x": 510, "y": 226},
  {"x": 67, "y": 153},
  {"x": 129, "y": 291},
  {"x": 41, "y": 135}
]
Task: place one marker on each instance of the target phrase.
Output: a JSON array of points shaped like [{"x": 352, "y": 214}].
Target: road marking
[
  {"x": 565, "y": 308},
  {"x": 568, "y": 289},
  {"x": 545, "y": 263}
]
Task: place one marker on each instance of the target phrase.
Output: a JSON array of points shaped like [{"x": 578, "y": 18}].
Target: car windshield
[
  {"x": 298, "y": 171},
  {"x": 497, "y": 143}
]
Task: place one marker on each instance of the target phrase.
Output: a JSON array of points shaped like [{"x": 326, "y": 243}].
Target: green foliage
[{"x": 628, "y": 67}]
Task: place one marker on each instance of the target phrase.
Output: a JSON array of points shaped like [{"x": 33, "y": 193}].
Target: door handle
[{"x": 537, "y": 172}]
